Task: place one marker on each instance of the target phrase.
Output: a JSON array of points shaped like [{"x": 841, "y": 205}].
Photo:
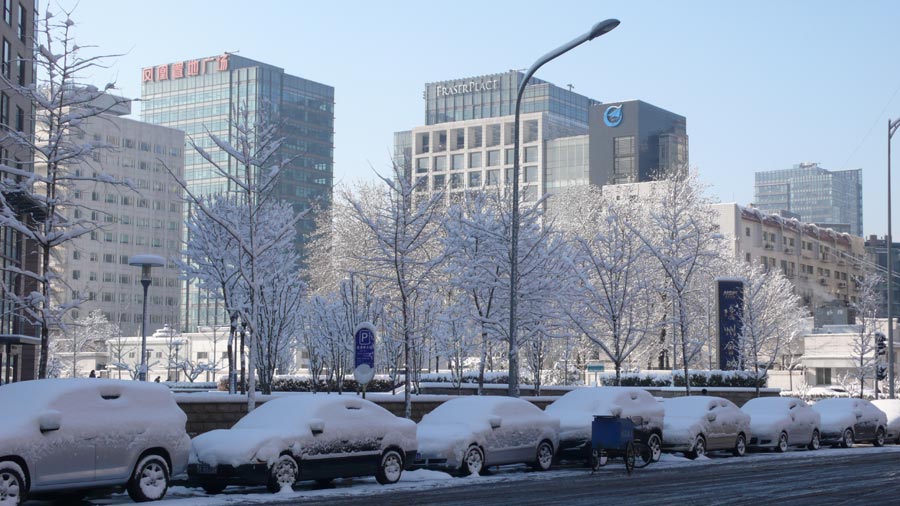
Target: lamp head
[{"x": 603, "y": 27}]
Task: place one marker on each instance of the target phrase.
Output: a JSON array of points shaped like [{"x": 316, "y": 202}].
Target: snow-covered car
[
  {"x": 782, "y": 422},
  {"x": 891, "y": 409},
  {"x": 699, "y": 424},
  {"x": 469, "y": 434},
  {"x": 849, "y": 420},
  {"x": 304, "y": 437},
  {"x": 826, "y": 391},
  {"x": 577, "y": 408},
  {"x": 78, "y": 436}
]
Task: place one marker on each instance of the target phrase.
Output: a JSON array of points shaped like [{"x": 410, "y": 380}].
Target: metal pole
[
  {"x": 143, "y": 374},
  {"x": 892, "y": 127},
  {"x": 513, "y": 356}
]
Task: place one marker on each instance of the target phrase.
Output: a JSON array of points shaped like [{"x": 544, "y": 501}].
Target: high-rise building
[
  {"x": 202, "y": 97},
  {"x": 635, "y": 142},
  {"x": 95, "y": 266},
  {"x": 19, "y": 339},
  {"x": 467, "y": 140},
  {"x": 876, "y": 247},
  {"x": 830, "y": 199}
]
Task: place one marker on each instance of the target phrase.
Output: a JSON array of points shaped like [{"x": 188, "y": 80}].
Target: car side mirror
[
  {"x": 495, "y": 422},
  {"x": 711, "y": 417},
  {"x": 317, "y": 426},
  {"x": 50, "y": 421}
]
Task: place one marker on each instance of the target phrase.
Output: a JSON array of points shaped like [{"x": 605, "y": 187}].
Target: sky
[{"x": 764, "y": 85}]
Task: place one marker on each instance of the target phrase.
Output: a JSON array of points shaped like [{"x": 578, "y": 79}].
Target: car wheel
[
  {"x": 847, "y": 438},
  {"x": 284, "y": 473},
  {"x": 12, "y": 484},
  {"x": 740, "y": 446},
  {"x": 879, "y": 437},
  {"x": 473, "y": 461},
  {"x": 544, "y": 458},
  {"x": 815, "y": 442},
  {"x": 654, "y": 443},
  {"x": 699, "y": 448},
  {"x": 782, "y": 445},
  {"x": 213, "y": 488},
  {"x": 390, "y": 469},
  {"x": 150, "y": 479}
]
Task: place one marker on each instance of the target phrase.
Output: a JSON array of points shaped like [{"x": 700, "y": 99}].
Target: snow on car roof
[
  {"x": 891, "y": 407},
  {"x": 688, "y": 406},
  {"x": 464, "y": 409},
  {"x": 302, "y": 407},
  {"x": 763, "y": 404},
  {"x": 836, "y": 404},
  {"x": 602, "y": 400},
  {"x": 33, "y": 397}
]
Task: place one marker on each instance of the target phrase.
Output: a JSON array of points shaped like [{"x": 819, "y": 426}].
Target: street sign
[
  {"x": 364, "y": 362},
  {"x": 596, "y": 367}
]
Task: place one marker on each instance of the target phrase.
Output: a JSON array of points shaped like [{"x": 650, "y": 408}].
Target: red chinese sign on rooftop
[{"x": 180, "y": 70}]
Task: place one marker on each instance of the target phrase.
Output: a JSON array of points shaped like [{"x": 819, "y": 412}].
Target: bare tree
[
  {"x": 864, "y": 354},
  {"x": 62, "y": 104},
  {"x": 89, "y": 334}
]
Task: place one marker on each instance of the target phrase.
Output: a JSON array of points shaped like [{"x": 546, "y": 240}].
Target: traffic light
[
  {"x": 880, "y": 346},
  {"x": 881, "y": 373}
]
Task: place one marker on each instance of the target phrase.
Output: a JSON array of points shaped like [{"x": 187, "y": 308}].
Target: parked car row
[{"x": 77, "y": 436}]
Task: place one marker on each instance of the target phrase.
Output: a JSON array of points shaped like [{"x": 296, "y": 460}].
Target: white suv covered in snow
[{"x": 74, "y": 435}]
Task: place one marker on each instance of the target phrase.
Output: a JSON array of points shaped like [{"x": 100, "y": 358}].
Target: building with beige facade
[{"x": 146, "y": 218}]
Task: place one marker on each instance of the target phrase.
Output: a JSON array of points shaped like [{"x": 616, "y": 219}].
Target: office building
[
  {"x": 829, "y": 199},
  {"x": 876, "y": 247},
  {"x": 467, "y": 140},
  {"x": 202, "y": 97},
  {"x": 19, "y": 339},
  {"x": 147, "y": 219}
]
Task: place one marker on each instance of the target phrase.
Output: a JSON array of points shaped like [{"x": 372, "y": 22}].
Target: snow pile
[{"x": 577, "y": 408}]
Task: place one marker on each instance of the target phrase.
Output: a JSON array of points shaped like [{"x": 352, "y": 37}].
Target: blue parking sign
[{"x": 364, "y": 362}]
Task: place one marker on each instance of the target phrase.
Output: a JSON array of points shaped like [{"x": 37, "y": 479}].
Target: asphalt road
[{"x": 857, "y": 478}]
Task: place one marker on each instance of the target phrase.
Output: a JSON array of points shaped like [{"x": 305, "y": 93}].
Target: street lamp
[
  {"x": 596, "y": 31},
  {"x": 145, "y": 262},
  {"x": 892, "y": 128}
]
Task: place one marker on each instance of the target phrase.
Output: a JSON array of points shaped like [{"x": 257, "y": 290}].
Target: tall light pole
[
  {"x": 892, "y": 128},
  {"x": 145, "y": 262},
  {"x": 596, "y": 31}
]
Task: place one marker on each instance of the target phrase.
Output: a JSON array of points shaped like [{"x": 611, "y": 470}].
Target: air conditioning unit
[{"x": 823, "y": 281}]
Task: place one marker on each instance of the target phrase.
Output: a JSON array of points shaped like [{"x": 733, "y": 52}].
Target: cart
[{"x": 612, "y": 436}]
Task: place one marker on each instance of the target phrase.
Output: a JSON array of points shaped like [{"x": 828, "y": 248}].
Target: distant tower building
[
  {"x": 201, "y": 97},
  {"x": 149, "y": 220},
  {"x": 830, "y": 199}
]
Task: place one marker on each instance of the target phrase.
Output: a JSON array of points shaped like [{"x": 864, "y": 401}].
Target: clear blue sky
[{"x": 763, "y": 84}]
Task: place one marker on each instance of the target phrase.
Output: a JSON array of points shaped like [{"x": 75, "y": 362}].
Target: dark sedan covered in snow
[
  {"x": 846, "y": 421},
  {"x": 304, "y": 437}
]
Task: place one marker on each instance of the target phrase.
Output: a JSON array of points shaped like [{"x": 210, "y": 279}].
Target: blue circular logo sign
[{"x": 612, "y": 116}]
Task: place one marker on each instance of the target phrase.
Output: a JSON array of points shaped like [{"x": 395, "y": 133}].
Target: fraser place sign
[{"x": 467, "y": 87}]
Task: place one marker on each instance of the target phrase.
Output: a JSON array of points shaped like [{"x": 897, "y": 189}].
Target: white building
[{"x": 147, "y": 219}]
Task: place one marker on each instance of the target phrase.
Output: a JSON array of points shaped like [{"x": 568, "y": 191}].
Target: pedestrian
[
  {"x": 704, "y": 392},
  {"x": 93, "y": 374},
  {"x": 157, "y": 379}
]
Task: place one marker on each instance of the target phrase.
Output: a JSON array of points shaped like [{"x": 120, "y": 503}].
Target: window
[
  {"x": 493, "y": 158},
  {"x": 20, "y": 119},
  {"x": 623, "y": 146},
  {"x": 23, "y": 32},
  {"x": 531, "y": 154},
  {"x": 529, "y": 193},
  {"x": 76, "y": 255},
  {"x": 439, "y": 182},
  {"x": 20, "y": 64},
  {"x": 422, "y": 164},
  {"x": 202, "y": 355},
  {"x": 440, "y": 163},
  {"x": 747, "y": 231},
  {"x": 823, "y": 376},
  {"x": 475, "y": 160},
  {"x": 475, "y": 137},
  {"x": 493, "y": 135},
  {"x": 6, "y": 57},
  {"x": 76, "y": 274},
  {"x": 4, "y": 109},
  {"x": 456, "y": 181},
  {"x": 7, "y": 12},
  {"x": 510, "y": 154},
  {"x": 457, "y": 162},
  {"x": 458, "y": 136},
  {"x": 474, "y": 179},
  {"x": 530, "y": 174},
  {"x": 492, "y": 177}
]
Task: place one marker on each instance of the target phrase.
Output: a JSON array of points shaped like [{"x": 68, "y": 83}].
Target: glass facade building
[
  {"x": 202, "y": 97},
  {"x": 830, "y": 199}
]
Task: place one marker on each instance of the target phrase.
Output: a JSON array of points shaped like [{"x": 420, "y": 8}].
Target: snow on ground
[{"x": 423, "y": 479}]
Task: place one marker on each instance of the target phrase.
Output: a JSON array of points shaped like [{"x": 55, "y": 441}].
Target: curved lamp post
[
  {"x": 596, "y": 31},
  {"x": 892, "y": 129},
  {"x": 145, "y": 262}
]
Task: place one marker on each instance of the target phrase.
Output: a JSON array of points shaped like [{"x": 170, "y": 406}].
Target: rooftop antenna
[{"x": 571, "y": 87}]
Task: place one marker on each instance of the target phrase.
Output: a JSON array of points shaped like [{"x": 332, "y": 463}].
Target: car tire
[
  {"x": 390, "y": 469},
  {"x": 213, "y": 488},
  {"x": 815, "y": 442},
  {"x": 544, "y": 457},
  {"x": 150, "y": 479},
  {"x": 699, "y": 448},
  {"x": 847, "y": 438},
  {"x": 782, "y": 444},
  {"x": 879, "y": 437},
  {"x": 473, "y": 461},
  {"x": 740, "y": 446},
  {"x": 12, "y": 484},
  {"x": 284, "y": 472},
  {"x": 654, "y": 443}
]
